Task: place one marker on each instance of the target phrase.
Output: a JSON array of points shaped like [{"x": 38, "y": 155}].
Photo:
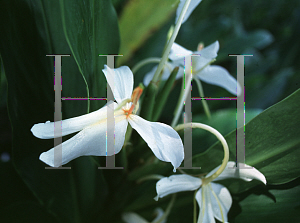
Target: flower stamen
[{"x": 137, "y": 92}]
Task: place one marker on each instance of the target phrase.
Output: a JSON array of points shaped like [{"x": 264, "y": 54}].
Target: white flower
[
  {"x": 192, "y": 6},
  {"x": 214, "y": 199},
  {"x": 131, "y": 217},
  {"x": 211, "y": 74},
  {"x": 163, "y": 140}
]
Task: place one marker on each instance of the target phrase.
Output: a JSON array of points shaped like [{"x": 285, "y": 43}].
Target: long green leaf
[
  {"x": 138, "y": 21},
  {"x": 272, "y": 143},
  {"x": 91, "y": 30},
  {"x": 34, "y": 29}
]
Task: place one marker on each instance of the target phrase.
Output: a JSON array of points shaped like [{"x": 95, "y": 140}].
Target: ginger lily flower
[
  {"x": 163, "y": 140},
  {"x": 214, "y": 199},
  {"x": 211, "y": 74},
  {"x": 131, "y": 217}
]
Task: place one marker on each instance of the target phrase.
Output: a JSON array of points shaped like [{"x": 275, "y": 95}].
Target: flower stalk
[
  {"x": 171, "y": 41},
  {"x": 204, "y": 103},
  {"x": 222, "y": 140}
]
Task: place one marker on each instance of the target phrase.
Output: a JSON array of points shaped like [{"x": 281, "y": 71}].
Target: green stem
[
  {"x": 170, "y": 43},
  {"x": 204, "y": 103},
  {"x": 144, "y": 62},
  {"x": 164, "y": 93},
  {"x": 167, "y": 212},
  {"x": 222, "y": 140},
  {"x": 183, "y": 94},
  {"x": 150, "y": 177}
]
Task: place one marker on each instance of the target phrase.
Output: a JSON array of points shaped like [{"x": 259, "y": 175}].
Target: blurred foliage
[{"x": 31, "y": 29}]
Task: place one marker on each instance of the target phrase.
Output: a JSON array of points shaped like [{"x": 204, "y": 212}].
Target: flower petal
[
  {"x": 163, "y": 140},
  {"x": 178, "y": 52},
  {"x": 91, "y": 141},
  {"x": 245, "y": 174},
  {"x": 176, "y": 183},
  {"x": 131, "y": 217},
  {"x": 221, "y": 201},
  {"x": 204, "y": 201},
  {"x": 189, "y": 11},
  {"x": 121, "y": 80},
  {"x": 211, "y": 51},
  {"x": 71, "y": 125},
  {"x": 219, "y": 76}
]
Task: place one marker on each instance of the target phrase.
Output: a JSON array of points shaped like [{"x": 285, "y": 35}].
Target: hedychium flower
[
  {"x": 184, "y": 10},
  {"x": 163, "y": 140},
  {"x": 211, "y": 74},
  {"x": 213, "y": 199}
]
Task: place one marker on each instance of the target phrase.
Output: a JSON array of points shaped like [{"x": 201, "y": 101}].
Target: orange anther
[{"x": 137, "y": 92}]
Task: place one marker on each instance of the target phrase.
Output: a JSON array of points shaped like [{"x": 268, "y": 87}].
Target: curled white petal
[
  {"x": 189, "y": 11},
  {"x": 176, "y": 183},
  {"x": 204, "y": 201},
  {"x": 211, "y": 51},
  {"x": 90, "y": 141},
  {"x": 219, "y": 76},
  {"x": 248, "y": 173},
  {"x": 68, "y": 126},
  {"x": 221, "y": 201},
  {"x": 121, "y": 80},
  {"x": 163, "y": 140},
  {"x": 178, "y": 52}
]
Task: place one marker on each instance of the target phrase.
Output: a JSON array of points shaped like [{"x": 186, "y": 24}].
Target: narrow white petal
[
  {"x": 211, "y": 51},
  {"x": 131, "y": 217},
  {"x": 90, "y": 141},
  {"x": 245, "y": 174},
  {"x": 198, "y": 63},
  {"x": 221, "y": 201},
  {"x": 71, "y": 125},
  {"x": 176, "y": 183},
  {"x": 204, "y": 201},
  {"x": 179, "y": 52},
  {"x": 159, "y": 213},
  {"x": 189, "y": 11},
  {"x": 163, "y": 140},
  {"x": 219, "y": 76},
  {"x": 121, "y": 80}
]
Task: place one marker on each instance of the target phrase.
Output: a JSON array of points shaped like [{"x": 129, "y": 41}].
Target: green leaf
[
  {"x": 272, "y": 142},
  {"x": 274, "y": 206},
  {"x": 138, "y": 21},
  {"x": 33, "y": 29},
  {"x": 224, "y": 120},
  {"x": 91, "y": 29},
  {"x": 26, "y": 211}
]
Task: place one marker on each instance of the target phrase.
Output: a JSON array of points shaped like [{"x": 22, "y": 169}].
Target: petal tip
[
  {"x": 44, "y": 157},
  {"x": 35, "y": 130}
]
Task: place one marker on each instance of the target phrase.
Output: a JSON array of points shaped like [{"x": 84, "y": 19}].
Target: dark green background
[{"x": 30, "y": 29}]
